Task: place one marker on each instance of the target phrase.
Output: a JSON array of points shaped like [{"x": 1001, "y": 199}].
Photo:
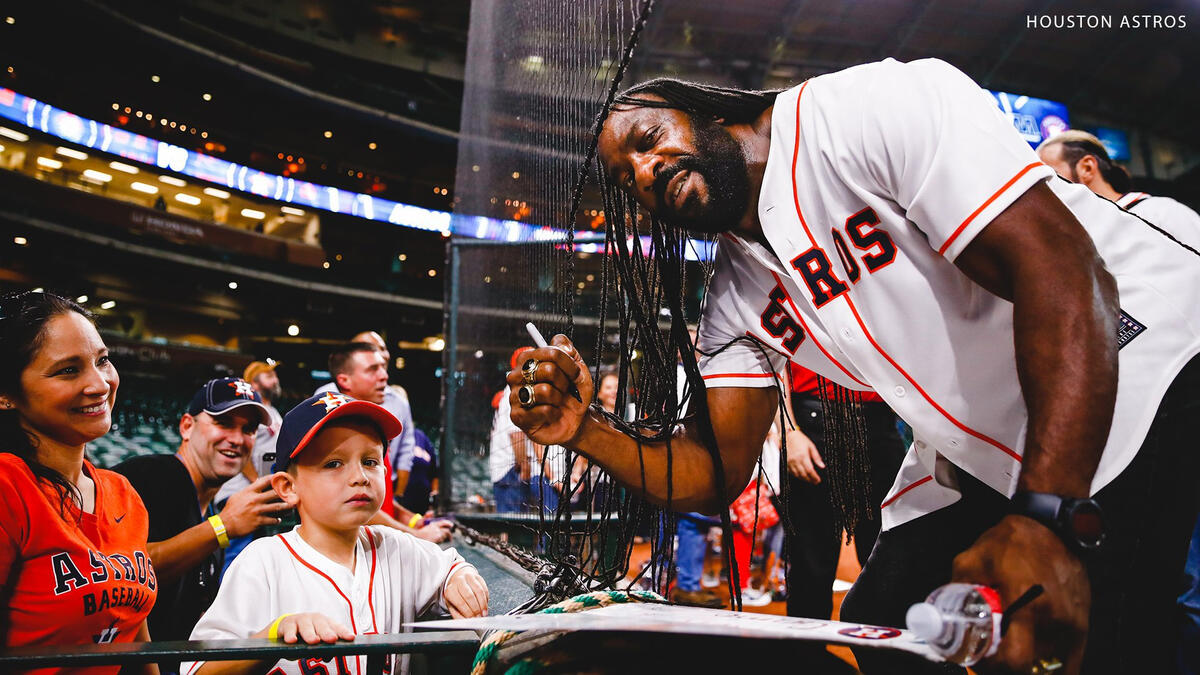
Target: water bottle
[{"x": 961, "y": 622}]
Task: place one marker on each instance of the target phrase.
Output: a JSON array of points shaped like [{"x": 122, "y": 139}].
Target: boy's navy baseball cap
[
  {"x": 303, "y": 422},
  {"x": 223, "y": 394}
]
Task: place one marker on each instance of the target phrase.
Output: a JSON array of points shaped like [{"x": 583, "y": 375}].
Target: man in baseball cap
[{"x": 188, "y": 532}]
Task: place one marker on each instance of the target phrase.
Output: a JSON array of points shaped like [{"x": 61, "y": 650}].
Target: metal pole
[{"x": 449, "y": 381}]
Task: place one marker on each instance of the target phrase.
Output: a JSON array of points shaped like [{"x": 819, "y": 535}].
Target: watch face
[{"x": 1087, "y": 523}]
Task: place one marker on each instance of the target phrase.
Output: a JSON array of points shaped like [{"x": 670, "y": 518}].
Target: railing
[{"x": 375, "y": 647}]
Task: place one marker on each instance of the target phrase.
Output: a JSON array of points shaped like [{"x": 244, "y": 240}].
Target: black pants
[
  {"x": 1149, "y": 511},
  {"x": 814, "y": 546}
]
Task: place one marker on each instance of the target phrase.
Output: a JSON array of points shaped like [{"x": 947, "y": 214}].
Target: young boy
[{"x": 332, "y": 577}]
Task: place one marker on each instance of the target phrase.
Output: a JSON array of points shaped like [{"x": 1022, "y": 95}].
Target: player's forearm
[
  {"x": 1067, "y": 363},
  {"x": 692, "y": 483},
  {"x": 172, "y": 558}
]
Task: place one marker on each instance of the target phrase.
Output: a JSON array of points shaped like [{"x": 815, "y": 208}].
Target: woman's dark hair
[
  {"x": 735, "y": 106},
  {"x": 23, "y": 319}
]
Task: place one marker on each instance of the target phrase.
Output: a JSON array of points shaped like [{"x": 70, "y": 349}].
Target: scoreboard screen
[{"x": 1036, "y": 119}]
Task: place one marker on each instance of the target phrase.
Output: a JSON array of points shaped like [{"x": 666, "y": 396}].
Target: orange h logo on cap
[{"x": 332, "y": 400}]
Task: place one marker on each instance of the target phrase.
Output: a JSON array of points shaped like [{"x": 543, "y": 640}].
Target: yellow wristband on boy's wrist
[
  {"x": 415, "y": 519},
  {"x": 273, "y": 631},
  {"x": 219, "y": 529}
]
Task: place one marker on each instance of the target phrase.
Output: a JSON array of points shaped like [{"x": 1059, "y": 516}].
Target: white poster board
[{"x": 658, "y": 618}]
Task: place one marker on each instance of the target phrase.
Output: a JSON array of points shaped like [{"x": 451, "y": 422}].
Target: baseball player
[
  {"x": 1081, "y": 158},
  {"x": 886, "y": 227},
  {"x": 333, "y": 577}
]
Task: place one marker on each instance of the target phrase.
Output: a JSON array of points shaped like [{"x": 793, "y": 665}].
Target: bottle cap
[{"x": 924, "y": 620}]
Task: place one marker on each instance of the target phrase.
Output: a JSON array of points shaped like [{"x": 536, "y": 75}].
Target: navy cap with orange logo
[
  {"x": 223, "y": 394},
  {"x": 302, "y": 423}
]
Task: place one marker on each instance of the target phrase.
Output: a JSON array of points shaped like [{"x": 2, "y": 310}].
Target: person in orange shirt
[{"x": 73, "y": 562}]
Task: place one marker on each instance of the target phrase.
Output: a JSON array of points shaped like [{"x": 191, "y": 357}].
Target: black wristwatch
[{"x": 1078, "y": 522}]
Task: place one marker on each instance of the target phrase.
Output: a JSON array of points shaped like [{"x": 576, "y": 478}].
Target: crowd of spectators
[{"x": 141, "y": 552}]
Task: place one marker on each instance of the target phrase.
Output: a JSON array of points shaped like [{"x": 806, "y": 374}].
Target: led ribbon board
[{"x": 101, "y": 137}]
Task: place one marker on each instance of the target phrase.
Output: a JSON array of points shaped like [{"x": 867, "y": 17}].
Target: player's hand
[
  {"x": 1013, "y": 556},
  {"x": 311, "y": 627},
  {"x": 803, "y": 460},
  {"x": 556, "y": 416},
  {"x": 437, "y": 531},
  {"x": 252, "y": 507},
  {"x": 467, "y": 595}
]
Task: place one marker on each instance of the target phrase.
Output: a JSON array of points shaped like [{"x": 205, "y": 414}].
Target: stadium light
[
  {"x": 97, "y": 176},
  {"x": 190, "y": 200},
  {"x": 214, "y": 192},
  {"x": 81, "y": 299},
  {"x": 293, "y": 330},
  {"x": 109, "y": 304},
  {"x": 207, "y": 97},
  {"x": 13, "y": 134},
  {"x": 233, "y": 285},
  {"x": 171, "y": 180},
  {"x": 20, "y": 241},
  {"x": 144, "y": 187},
  {"x": 49, "y": 163},
  {"x": 71, "y": 152},
  {"x": 123, "y": 168}
]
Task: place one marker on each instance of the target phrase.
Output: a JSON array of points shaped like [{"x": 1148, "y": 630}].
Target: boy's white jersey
[
  {"x": 396, "y": 578},
  {"x": 878, "y": 177}
]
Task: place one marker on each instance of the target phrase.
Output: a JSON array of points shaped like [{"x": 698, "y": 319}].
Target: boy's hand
[
  {"x": 312, "y": 627},
  {"x": 437, "y": 531},
  {"x": 467, "y": 595}
]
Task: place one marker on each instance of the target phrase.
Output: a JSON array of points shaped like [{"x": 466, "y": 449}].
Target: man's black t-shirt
[{"x": 166, "y": 488}]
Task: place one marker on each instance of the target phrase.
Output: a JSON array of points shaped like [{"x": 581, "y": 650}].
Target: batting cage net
[{"x": 540, "y": 74}]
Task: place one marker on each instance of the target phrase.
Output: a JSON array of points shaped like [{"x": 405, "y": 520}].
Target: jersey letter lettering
[
  {"x": 776, "y": 321},
  {"x": 823, "y": 285},
  {"x": 66, "y": 574},
  {"x": 875, "y": 243}
]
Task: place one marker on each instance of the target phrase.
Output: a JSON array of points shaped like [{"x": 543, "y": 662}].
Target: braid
[
  {"x": 846, "y": 456},
  {"x": 732, "y": 105}
]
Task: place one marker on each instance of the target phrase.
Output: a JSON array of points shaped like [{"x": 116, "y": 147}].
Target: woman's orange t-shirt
[{"x": 68, "y": 581}]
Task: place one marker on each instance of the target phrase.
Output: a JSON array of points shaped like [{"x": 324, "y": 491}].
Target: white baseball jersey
[
  {"x": 396, "y": 578},
  {"x": 878, "y": 177},
  {"x": 1177, "y": 219}
]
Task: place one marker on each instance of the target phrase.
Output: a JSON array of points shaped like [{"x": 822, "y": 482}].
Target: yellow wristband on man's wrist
[
  {"x": 273, "y": 631},
  {"x": 415, "y": 519},
  {"x": 219, "y": 529}
]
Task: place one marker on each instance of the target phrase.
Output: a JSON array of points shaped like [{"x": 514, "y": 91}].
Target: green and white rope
[{"x": 491, "y": 645}]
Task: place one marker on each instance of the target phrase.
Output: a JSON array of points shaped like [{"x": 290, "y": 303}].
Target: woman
[{"x": 73, "y": 563}]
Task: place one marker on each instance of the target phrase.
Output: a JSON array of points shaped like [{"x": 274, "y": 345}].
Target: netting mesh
[{"x": 540, "y": 75}]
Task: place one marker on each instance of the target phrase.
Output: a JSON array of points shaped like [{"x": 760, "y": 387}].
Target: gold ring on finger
[
  {"x": 525, "y": 396},
  {"x": 528, "y": 370}
]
